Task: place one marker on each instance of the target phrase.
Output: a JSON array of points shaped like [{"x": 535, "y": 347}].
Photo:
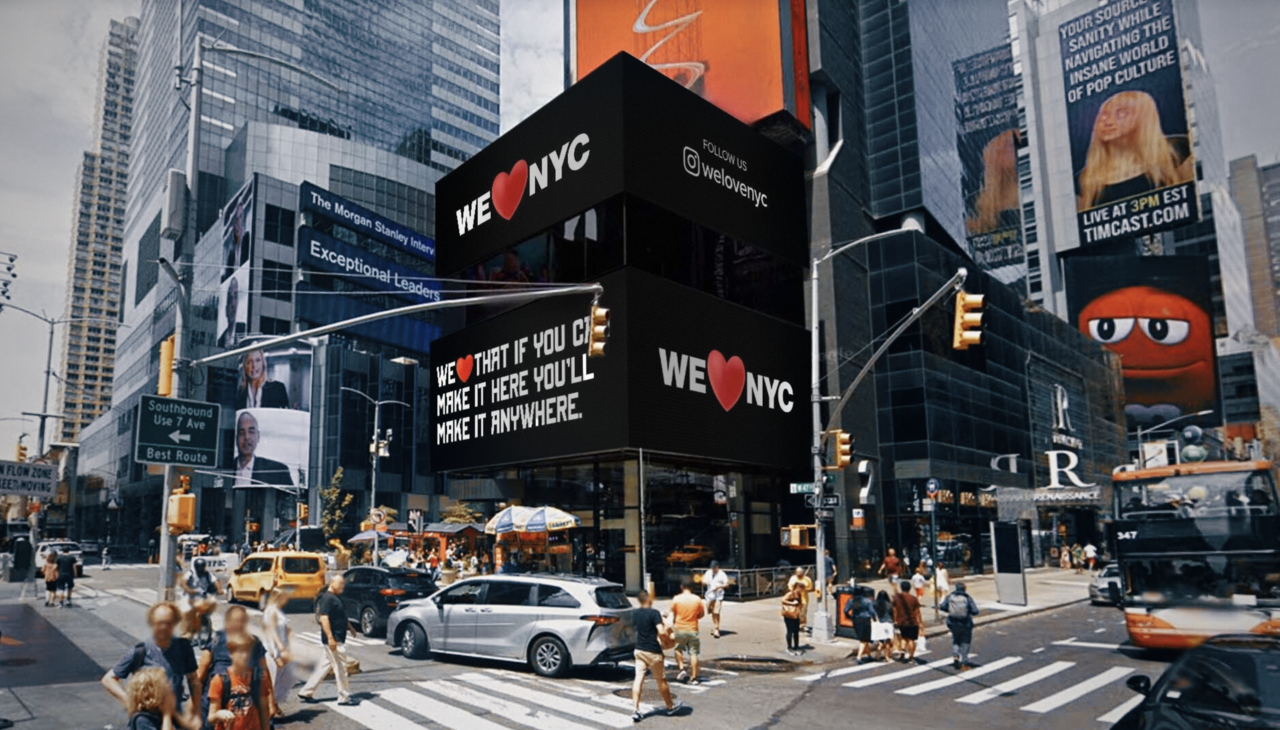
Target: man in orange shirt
[{"x": 687, "y": 609}]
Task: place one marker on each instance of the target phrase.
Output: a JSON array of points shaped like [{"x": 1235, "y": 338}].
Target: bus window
[
  {"x": 1229, "y": 494},
  {"x": 1206, "y": 580}
]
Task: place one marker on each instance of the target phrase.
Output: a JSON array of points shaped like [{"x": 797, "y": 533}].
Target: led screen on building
[
  {"x": 683, "y": 373},
  {"x": 1155, "y": 312},
  {"x": 987, "y": 139},
  {"x": 1127, "y": 119},
  {"x": 237, "y": 260},
  {"x": 748, "y": 57}
]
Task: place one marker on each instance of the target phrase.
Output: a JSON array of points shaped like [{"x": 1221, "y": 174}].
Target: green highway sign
[
  {"x": 802, "y": 488},
  {"x": 177, "y": 432}
]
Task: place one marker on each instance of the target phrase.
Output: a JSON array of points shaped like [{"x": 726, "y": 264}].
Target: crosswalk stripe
[
  {"x": 1069, "y": 694},
  {"x": 845, "y": 671},
  {"x": 995, "y": 666},
  {"x": 1016, "y": 683},
  {"x": 371, "y": 716},
  {"x": 919, "y": 669},
  {"x": 1086, "y": 644},
  {"x": 549, "y": 701},
  {"x": 1123, "y": 709},
  {"x": 508, "y": 710}
]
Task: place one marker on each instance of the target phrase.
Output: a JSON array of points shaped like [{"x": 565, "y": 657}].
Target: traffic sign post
[
  {"x": 931, "y": 487},
  {"x": 824, "y": 515},
  {"x": 825, "y": 501},
  {"x": 176, "y": 432}
]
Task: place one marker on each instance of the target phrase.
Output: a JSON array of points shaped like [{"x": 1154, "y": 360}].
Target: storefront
[{"x": 678, "y": 446}]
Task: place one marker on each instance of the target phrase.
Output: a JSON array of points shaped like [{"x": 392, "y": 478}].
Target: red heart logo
[
  {"x": 508, "y": 189},
  {"x": 463, "y": 367},
  {"x": 727, "y": 378}
]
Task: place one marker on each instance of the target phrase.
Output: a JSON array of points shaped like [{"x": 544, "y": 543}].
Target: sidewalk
[{"x": 755, "y": 629}]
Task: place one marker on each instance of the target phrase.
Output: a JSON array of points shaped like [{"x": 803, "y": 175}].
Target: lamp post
[
  {"x": 1142, "y": 455},
  {"x": 376, "y": 448}
]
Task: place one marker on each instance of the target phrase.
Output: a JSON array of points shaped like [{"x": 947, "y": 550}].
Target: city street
[{"x": 1062, "y": 668}]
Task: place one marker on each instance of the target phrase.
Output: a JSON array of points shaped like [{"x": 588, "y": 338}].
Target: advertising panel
[
  {"x": 321, "y": 202},
  {"x": 681, "y": 153},
  {"x": 364, "y": 269},
  {"x": 237, "y": 260},
  {"x": 987, "y": 139},
  {"x": 1127, "y": 120},
  {"x": 683, "y": 373},
  {"x": 1155, "y": 312},
  {"x": 272, "y": 401},
  {"x": 748, "y": 57}
]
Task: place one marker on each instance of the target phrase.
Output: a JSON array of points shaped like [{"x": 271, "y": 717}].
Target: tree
[
  {"x": 334, "y": 503},
  {"x": 460, "y": 513}
]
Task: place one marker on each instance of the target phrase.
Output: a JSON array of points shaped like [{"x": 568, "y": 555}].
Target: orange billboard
[{"x": 748, "y": 57}]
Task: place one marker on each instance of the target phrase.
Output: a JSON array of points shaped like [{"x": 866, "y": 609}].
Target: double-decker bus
[{"x": 1198, "y": 547}]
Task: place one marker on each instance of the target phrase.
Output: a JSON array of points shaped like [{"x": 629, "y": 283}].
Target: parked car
[
  {"x": 90, "y": 547},
  {"x": 552, "y": 622},
  {"x": 691, "y": 555},
  {"x": 261, "y": 573},
  {"x": 1229, "y": 681},
  {"x": 1100, "y": 586},
  {"x": 57, "y": 547},
  {"x": 372, "y": 593}
]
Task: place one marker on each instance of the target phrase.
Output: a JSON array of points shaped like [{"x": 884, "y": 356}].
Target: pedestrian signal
[
  {"x": 968, "y": 321},
  {"x": 165, "y": 385}
]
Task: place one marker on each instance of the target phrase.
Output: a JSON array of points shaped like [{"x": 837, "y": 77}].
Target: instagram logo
[{"x": 691, "y": 161}]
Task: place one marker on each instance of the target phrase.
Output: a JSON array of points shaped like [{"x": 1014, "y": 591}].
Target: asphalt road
[{"x": 1059, "y": 669}]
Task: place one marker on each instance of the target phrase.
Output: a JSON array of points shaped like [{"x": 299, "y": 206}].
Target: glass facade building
[{"x": 95, "y": 265}]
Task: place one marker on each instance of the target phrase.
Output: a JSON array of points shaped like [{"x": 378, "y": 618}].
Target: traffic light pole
[{"x": 168, "y": 561}]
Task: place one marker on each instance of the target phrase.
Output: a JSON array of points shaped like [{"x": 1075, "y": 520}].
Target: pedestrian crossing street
[
  {"x": 1034, "y": 684},
  {"x": 496, "y": 699}
]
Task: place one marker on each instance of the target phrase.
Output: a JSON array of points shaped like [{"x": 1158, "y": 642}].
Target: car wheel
[
  {"x": 549, "y": 657},
  {"x": 231, "y": 596},
  {"x": 264, "y": 599},
  {"x": 415, "y": 643},
  {"x": 368, "y": 621}
]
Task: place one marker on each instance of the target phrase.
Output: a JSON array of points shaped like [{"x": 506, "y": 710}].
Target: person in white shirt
[
  {"x": 1091, "y": 555},
  {"x": 714, "y": 581}
]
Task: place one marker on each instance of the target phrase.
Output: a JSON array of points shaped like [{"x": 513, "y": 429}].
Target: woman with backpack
[
  {"x": 792, "y": 606},
  {"x": 862, "y": 612},
  {"x": 217, "y": 657}
]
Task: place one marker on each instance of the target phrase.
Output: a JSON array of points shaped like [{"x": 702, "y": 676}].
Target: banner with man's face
[{"x": 271, "y": 397}]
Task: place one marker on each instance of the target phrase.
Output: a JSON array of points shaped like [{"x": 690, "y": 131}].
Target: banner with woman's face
[
  {"x": 271, "y": 397},
  {"x": 1127, "y": 119}
]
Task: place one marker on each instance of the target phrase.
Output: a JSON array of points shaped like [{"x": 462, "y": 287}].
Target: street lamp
[
  {"x": 1142, "y": 454},
  {"x": 376, "y": 449}
]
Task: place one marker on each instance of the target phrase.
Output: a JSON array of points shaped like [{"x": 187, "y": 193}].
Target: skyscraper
[
  {"x": 94, "y": 267},
  {"x": 1256, "y": 190}
]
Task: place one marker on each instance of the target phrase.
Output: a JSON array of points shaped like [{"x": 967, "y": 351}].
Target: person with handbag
[
  {"x": 653, "y": 637},
  {"x": 862, "y": 612},
  {"x": 792, "y": 610}
]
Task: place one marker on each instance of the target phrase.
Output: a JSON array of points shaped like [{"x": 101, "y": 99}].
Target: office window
[{"x": 278, "y": 227}]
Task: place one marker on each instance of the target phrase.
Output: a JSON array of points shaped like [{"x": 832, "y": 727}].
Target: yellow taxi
[{"x": 260, "y": 573}]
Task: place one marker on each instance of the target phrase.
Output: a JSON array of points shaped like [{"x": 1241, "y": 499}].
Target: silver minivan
[{"x": 552, "y": 622}]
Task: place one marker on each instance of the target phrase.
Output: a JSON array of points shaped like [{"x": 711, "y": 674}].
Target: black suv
[{"x": 372, "y": 593}]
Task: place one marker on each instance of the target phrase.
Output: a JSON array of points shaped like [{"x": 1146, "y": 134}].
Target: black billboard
[
  {"x": 684, "y": 373},
  {"x": 1156, "y": 313},
  {"x": 623, "y": 128},
  {"x": 1127, "y": 119}
]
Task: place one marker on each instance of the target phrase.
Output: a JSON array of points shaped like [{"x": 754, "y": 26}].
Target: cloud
[
  {"x": 532, "y": 57},
  {"x": 50, "y": 50}
]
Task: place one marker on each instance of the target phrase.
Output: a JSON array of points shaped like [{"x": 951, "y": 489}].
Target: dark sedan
[
  {"x": 372, "y": 593},
  {"x": 1227, "y": 682}
]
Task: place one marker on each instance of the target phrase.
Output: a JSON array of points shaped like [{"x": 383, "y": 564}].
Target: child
[
  {"x": 918, "y": 581},
  {"x": 50, "y": 572},
  {"x": 150, "y": 700},
  {"x": 239, "y": 698}
]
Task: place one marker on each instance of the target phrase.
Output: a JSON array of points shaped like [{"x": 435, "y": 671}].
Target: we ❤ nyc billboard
[{"x": 684, "y": 373}]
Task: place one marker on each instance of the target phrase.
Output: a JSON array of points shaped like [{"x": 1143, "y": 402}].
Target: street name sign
[
  {"x": 829, "y": 501},
  {"x": 27, "y": 479},
  {"x": 177, "y": 432},
  {"x": 802, "y": 488},
  {"x": 825, "y": 514}
]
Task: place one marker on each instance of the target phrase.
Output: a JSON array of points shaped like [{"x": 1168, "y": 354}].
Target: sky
[{"x": 46, "y": 110}]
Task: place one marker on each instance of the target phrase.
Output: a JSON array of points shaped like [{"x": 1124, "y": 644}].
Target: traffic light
[
  {"x": 182, "y": 513},
  {"x": 599, "y": 331},
  {"x": 165, "y": 386},
  {"x": 968, "y": 321},
  {"x": 21, "y": 452},
  {"x": 843, "y": 456},
  {"x": 302, "y": 513}
]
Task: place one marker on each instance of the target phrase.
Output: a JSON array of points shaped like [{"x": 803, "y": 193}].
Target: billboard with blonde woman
[{"x": 1127, "y": 117}]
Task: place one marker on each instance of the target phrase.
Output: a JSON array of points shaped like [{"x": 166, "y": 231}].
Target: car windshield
[
  {"x": 1240, "y": 678},
  {"x": 1236, "y": 494},
  {"x": 411, "y": 581},
  {"x": 612, "y": 597},
  {"x": 1207, "y": 580},
  {"x": 301, "y": 565}
]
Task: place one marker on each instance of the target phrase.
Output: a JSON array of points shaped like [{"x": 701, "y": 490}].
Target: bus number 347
[{"x": 1127, "y": 535}]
